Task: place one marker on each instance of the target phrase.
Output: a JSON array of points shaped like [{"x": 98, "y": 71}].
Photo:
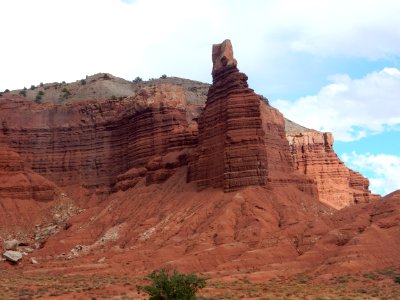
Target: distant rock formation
[{"x": 313, "y": 155}]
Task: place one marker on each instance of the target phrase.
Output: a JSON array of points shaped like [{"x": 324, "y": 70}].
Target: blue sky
[{"x": 329, "y": 65}]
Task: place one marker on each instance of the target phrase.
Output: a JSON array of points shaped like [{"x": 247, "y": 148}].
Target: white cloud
[
  {"x": 384, "y": 170},
  {"x": 350, "y": 108},
  {"x": 47, "y": 40},
  {"x": 358, "y": 27}
]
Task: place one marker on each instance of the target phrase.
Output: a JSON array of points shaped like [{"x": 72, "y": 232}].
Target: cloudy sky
[{"x": 328, "y": 65}]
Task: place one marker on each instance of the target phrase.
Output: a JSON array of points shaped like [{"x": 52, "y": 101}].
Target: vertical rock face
[
  {"x": 91, "y": 143},
  {"x": 313, "y": 155},
  {"x": 231, "y": 142},
  {"x": 277, "y": 147},
  {"x": 360, "y": 188}
]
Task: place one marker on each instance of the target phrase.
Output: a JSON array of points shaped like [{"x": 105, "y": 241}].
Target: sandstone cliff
[
  {"x": 313, "y": 155},
  {"x": 242, "y": 139},
  {"x": 108, "y": 145},
  {"x": 231, "y": 150},
  {"x": 91, "y": 143}
]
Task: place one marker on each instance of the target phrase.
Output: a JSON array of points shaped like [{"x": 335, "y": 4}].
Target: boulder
[
  {"x": 13, "y": 256},
  {"x": 11, "y": 244}
]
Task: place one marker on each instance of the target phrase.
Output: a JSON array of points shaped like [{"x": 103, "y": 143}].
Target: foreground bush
[{"x": 166, "y": 286}]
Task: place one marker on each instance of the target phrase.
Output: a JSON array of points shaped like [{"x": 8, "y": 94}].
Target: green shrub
[
  {"x": 83, "y": 81},
  {"x": 163, "y": 76},
  {"x": 66, "y": 93},
  {"x": 41, "y": 93},
  {"x": 41, "y": 84},
  {"x": 22, "y": 93},
  {"x": 6, "y": 90},
  {"x": 370, "y": 276},
  {"x": 38, "y": 98},
  {"x": 396, "y": 279},
  {"x": 113, "y": 97},
  {"x": 137, "y": 79},
  {"x": 387, "y": 271},
  {"x": 33, "y": 87},
  {"x": 166, "y": 286}
]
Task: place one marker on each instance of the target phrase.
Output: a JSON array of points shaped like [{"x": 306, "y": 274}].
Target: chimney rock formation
[{"x": 231, "y": 145}]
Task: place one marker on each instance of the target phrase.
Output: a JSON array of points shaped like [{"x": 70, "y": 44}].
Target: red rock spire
[
  {"x": 231, "y": 151},
  {"x": 222, "y": 56}
]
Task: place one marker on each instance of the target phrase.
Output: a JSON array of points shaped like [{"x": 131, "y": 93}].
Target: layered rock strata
[
  {"x": 91, "y": 143},
  {"x": 231, "y": 150},
  {"x": 242, "y": 138},
  {"x": 313, "y": 155}
]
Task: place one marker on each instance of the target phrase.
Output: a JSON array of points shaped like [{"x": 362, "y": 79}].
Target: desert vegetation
[
  {"x": 38, "y": 98},
  {"x": 170, "y": 286},
  {"x": 15, "y": 284}
]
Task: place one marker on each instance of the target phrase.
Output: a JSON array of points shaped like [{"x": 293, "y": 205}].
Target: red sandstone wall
[
  {"x": 231, "y": 152},
  {"x": 91, "y": 143},
  {"x": 313, "y": 155},
  {"x": 277, "y": 147}
]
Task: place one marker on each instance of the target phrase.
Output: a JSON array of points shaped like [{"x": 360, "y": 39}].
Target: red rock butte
[{"x": 176, "y": 172}]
